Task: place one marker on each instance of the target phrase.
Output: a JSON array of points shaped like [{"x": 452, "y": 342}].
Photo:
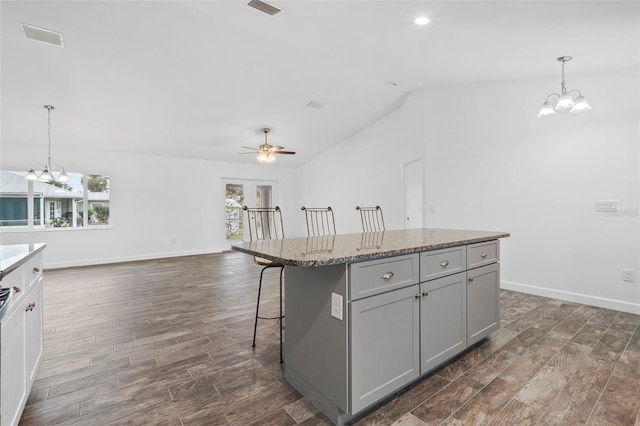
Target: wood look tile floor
[{"x": 168, "y": 342}]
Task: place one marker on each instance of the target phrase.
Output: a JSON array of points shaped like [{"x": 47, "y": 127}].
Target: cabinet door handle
[
  {"x": 30, "y": 307},
  {"x": 36, "y": 270},
  {"x": 425, "y": 293},
  {"x": 387, "y": 275},
  {"x": 483, "y": 254},
  {"x": 444, "y": 263},
  {"x": 470, "y": 280},
  {"x": 16, "y": 289},
  {"x": 417, "y": 296}
]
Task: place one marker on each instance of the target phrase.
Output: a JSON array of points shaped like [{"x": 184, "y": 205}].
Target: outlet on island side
[
  {"x": 629, "y": 275},
  {"x": 336, "y": 306}
]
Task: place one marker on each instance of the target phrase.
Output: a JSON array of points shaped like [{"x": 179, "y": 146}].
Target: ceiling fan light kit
[
  {"x": 568, "y": 101},
  {"x": 266, "y": 151}
]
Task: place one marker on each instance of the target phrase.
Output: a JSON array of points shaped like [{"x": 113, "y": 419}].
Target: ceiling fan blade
[
  {"x": 284, "y": 152},
  {"x": 277, "y": 148},
  {"x": 253, "y": 153},
  {"x": 250, "y": 147}
]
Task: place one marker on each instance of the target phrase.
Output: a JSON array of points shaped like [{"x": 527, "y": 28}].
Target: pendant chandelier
[
  {"x": 571, "y": 101},
  {"x": 46, "y": 170}
]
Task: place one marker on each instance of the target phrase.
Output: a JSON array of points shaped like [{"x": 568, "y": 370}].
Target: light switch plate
[{"x": 336, "y": 306}]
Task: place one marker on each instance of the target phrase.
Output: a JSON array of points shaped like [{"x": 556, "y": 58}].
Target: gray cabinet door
[
  {"x": 483, "y": 302},
  {"x": 443, "y": 320},
  {"x": 385, "y": 343}
]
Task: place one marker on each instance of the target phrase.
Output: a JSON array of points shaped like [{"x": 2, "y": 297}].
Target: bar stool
[
  {"x": 372, "y": 218},
  {"x": 265, "y": 223},
  {"x": 320, "y": 221}
]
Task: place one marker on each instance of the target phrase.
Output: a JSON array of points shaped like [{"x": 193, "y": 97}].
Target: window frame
[{"x": 34, "y": 226}]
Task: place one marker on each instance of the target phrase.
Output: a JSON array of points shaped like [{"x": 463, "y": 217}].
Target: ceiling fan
[{"x": 265, "y": 151}]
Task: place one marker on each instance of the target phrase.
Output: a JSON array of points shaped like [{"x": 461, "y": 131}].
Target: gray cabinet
[
  {"x": 483, "y": 302},
  {"x": 403, "y": 316},
  {"x": 385, "y": 344},
  {"x": 443, "y": 320}
]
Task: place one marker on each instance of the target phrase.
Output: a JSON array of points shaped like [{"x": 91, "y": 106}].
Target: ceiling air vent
[
  {"x": 264, "y": 7},
  {"x": 42, "y": 35}
]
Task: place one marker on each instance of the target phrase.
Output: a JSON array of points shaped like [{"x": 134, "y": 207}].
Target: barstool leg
[
  {"x": 255, "y": 325},
  {"x": 281, "y": 316}
]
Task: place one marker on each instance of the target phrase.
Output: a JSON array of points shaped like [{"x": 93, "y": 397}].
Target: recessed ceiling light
[{"x": 421, "y": 20}]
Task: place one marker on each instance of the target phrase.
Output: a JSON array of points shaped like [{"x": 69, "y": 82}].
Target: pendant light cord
[
  {"x": 49, "y": 134},
  {"x": 564, "y": 89}
]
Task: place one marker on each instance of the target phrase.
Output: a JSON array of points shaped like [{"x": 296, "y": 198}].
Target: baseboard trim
[
  {"x": 151, "y": 256},
  {"x": 601, "y": 302}
]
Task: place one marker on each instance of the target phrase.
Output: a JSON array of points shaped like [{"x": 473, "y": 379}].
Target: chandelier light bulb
[
  {"x": 546, "y": 109},
  {"x": 45, "y": 176},
  {"x": 31, "y": 175},
  {"x": 581, "y": 105},
  {"x": 565, "y": 102}
]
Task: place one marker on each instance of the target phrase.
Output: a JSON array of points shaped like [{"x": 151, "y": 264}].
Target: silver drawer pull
[
  {"x": 444, "y": 263},
  {"x": 36, "y": 270},
  {"x": 483, "y": 254},
  {"x": 387, "y": 275}
]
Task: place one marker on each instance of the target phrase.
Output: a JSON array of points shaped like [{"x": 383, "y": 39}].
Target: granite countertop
[
  {"x": 343, "y": 248},
  {"x": 12, "y": 256}
]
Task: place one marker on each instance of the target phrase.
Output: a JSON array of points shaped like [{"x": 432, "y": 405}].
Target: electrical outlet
[
  {"x": 629, "y": 275},
  {"x": 336, "y": 306},
  {"x": 607, "y": 205}
]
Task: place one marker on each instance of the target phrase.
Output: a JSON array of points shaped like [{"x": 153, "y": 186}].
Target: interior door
[{"x": 413, "y": 194}]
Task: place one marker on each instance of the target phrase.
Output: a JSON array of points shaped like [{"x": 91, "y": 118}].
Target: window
[{"x": 40, "y": 205}]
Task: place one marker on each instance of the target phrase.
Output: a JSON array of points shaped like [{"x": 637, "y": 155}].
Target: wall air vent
[
  {"x": 42, "y": 35},
  {"x": 264, "y": 7}
]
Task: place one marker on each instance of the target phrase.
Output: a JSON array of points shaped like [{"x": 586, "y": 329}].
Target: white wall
[
  {"x": 160, "y": 206},
  {"x": 365, "y": 170},
  {"x": 491, "y": 164}
]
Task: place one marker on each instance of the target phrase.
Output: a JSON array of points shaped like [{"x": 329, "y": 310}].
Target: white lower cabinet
[
  {"x": 14, "y": 367},
  {"x": 34, "y": 332},
  {"x": 21, "y": 340}
]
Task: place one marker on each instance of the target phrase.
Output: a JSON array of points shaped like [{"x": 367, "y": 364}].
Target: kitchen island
[
  {"x": 21, "y": 327},
  {"x": 367, "y": 314}
]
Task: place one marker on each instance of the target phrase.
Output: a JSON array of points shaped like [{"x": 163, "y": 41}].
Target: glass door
[{"x": 241, "y": 192}]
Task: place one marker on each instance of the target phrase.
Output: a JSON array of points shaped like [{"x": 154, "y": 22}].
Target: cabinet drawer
[
  {"x": 33, "y": 270},
  {"x": 439, "y": 263},
  {"x": 16, "y": 280},
  {"x": 480, "y": 254},
  {"x": 380, "y": 275}
]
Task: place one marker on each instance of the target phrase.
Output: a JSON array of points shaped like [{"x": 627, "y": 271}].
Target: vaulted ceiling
[{"x": 199, "y": 79}]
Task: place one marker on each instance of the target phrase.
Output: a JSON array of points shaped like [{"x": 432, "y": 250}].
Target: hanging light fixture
[
  {"x": 571, "y": 101},
  {"x": 46, "y": 170}
]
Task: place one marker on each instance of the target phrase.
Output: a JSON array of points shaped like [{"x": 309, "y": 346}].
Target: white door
[{"x": 413, "y": 194}]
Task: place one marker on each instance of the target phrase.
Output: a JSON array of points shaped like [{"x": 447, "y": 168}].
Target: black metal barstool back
[
  {"x": 320, "y": 221},
  {"x": 372, "y": 218},
  {"x": 265, "y": 223}
]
